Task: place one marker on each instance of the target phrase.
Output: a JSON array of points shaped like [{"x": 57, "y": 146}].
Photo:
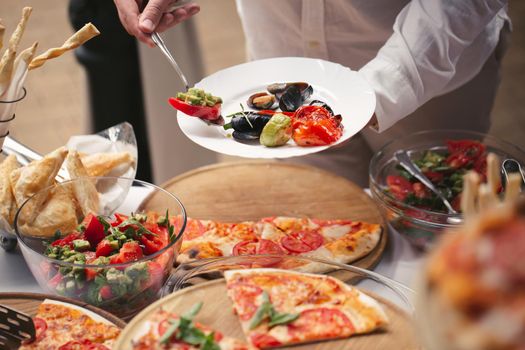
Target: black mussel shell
[
  {"x": 261, "y": 100},
  {"x": 246, "y": 137},
  {"x": 257, "y": 121},
  {"x": 293, "y": 98},
  {"x": 278, "y": 88},
  {"x": 322, "y": 104}
]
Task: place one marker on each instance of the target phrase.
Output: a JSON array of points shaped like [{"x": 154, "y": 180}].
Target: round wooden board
[
  {"x": 217, "y": 313},
  {"x": 28, "y": 303},
  {"x": 241, "y": 191}
]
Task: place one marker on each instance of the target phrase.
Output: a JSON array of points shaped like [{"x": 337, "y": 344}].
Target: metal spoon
[{"x": 404, "y": 160}]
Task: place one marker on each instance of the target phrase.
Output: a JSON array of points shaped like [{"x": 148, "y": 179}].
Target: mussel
[
  {"x": 247, "y": 126},
  {"x": 278, "y": 88},
  {"x": 261, "y": 100},
  {"x": 294, "y": 96}
]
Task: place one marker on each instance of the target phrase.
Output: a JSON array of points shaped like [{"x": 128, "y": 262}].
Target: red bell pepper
[{"x": 203, "y": 112}]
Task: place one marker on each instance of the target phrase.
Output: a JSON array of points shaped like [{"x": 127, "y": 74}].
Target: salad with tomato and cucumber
[
  {"x": 445, "y": 168},
  {"x": 120, "y": 245}
]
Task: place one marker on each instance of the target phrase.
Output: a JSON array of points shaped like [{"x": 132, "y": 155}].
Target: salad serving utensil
[
  {"x": 509, "y": 166},
  {"x": 404, "y": 160},
  {"x": 15, "y": 327}
]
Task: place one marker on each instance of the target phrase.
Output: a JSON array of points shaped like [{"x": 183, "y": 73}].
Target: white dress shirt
[{"x": 409, "y": 51}]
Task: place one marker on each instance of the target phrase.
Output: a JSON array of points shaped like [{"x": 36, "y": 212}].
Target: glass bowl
[
  {"x": 132, "y": 284},
  {"x": 203, "y": 281},
  {"x": 420, "y": 226}
]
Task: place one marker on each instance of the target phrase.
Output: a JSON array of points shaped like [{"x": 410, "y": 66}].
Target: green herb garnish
[
  {"x": 267, "y": 310},
  {"x": 184, "y": 329}
]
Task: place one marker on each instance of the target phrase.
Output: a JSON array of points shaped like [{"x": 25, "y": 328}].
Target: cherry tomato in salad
[
  {"x": 106, "y": 293},
  {"x": 203, "y": 112},
  {"x": 67, "y": 240},
  {"x": 155, "y": 242},
  {"x": 464, "y": 152},
  {"x": 420, "y": 190},
  {"x": 104, "y": 248},
  {"x": 434, "y": 176},
  {"x": 119, "y": 219},
  {"x": 130, "y": 251},
  {"x": 94, "y": 230},
  {"x": 399, "y": 186}
]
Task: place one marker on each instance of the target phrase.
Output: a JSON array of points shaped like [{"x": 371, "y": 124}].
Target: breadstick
[
  {"x": 8, "y": 59},
  {"x": 486, "y": 197},
  {"x": 27, "y": 55},
  {"x": 2, "y": 31},
  {"x": 84, "y": 34},
  {"x": 513, "y": 187},
  {"x": 493, "y": 172},
  {"x": 470, "y": 189}
]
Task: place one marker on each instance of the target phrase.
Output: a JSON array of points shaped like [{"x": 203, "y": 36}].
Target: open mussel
[
  {"x": 261, "y": 100},
  {"x": 294, "y": 97},
  {"x": 278, "y": 88}
]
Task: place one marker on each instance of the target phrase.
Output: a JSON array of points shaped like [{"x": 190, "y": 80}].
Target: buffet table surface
[{"x": 400, "y": 262}]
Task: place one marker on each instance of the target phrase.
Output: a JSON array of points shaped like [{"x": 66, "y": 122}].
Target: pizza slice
[
  {"x": 169, "y": 331},
  {"x": 64, "y": 326},
  {"x": 281, "y": 307}
]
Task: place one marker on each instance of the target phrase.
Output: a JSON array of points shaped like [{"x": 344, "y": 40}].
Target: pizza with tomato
[
  {"x": 169, "y": 331},
  {"x": 341, "y": 241},
  {"x": 281, "y": 307},
  {"x": 64, "y": 326},
  {"x": 474, "y": 290}
]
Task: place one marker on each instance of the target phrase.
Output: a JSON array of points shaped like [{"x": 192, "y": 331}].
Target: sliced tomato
[
  {"x": 204, "y": 112},
  {"x": 194, "y": 228},
  {"x": 302, "y": 242},
  {"x": 130, "y": 251},
  {"x": 82, "y": 345},
  {"x": 320, "y": 323},
  {"x": 67, "y": 240},
  {"x": 268, "y": 247},
  {"x": 399, "y": 186},
  {"x": 94, "y": 231},
  {"x": 471, "y": 148},
  {"x": 40, "y": 328},
  {"x": 245, "y": 295},
  {"x": 263, "y": 340},
  {"x": 245, "y": 248}
]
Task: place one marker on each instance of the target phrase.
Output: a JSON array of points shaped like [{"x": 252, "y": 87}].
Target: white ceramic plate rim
[{"x": 343, "y": 89}]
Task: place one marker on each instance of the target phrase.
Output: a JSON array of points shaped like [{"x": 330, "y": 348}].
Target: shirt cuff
[{"x": 395, "y": 98}]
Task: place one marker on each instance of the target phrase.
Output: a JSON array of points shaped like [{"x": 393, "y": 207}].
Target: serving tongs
[
  {"x": 406, "y": 162},
  {"x": 510, "y": 166},
  {"x": 15, "y": 327}
]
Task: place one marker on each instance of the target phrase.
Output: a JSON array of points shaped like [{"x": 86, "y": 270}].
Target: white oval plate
[{"x": 341, "y": 88}]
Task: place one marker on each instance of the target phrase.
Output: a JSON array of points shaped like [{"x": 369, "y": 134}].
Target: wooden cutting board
[
  {"x": 28, "y": 303},
  {"x": 217, "y": 313},
  {"x": 250, "y": 190}
]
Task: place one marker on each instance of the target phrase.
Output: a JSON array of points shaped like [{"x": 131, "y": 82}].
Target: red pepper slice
[{"x": 203, "y": 112}]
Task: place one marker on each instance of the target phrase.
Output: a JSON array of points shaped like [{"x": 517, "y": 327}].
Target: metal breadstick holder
[{"x": 7, "y": 114}]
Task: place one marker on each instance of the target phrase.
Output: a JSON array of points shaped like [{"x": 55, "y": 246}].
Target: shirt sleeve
[{"x": 419, "y": 60}]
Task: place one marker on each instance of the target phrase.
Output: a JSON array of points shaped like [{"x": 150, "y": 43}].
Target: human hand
[{"x": 153, "y": 18}]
